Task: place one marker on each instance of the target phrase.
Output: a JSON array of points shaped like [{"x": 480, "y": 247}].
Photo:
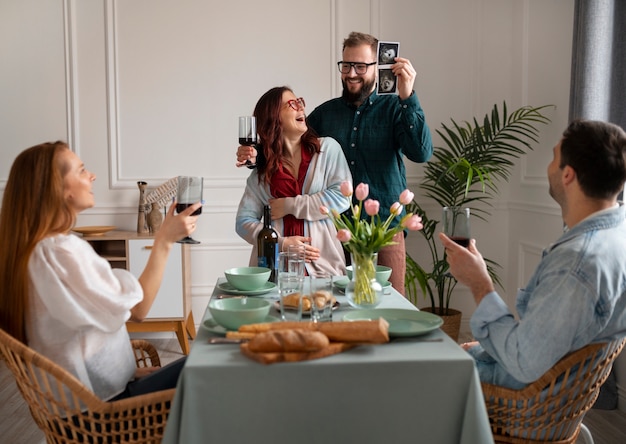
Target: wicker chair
[
  {"x": 82, "y": 417},
  {"x": 548, "y": 411}
]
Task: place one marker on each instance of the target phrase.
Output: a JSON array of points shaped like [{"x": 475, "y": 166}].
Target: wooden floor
[{"x": 17, "y": 427}]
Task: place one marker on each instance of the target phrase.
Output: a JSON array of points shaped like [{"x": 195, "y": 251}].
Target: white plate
[
  {"x": 227, "y": 288},
  {"x": 216, "y": 328},
  {"x": 401, "y": 322}
]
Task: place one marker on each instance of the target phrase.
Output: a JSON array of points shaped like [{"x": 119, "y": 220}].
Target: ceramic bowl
[
  {"x": 232, "y": 313},
  {"x": 383, "y": 273},
  {"x": 247, "y": 278}
]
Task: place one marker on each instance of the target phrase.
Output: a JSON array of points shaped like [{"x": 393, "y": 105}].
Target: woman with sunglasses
[{"x": 299, "y": 173}]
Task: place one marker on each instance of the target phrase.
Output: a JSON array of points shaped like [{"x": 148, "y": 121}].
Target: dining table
[{"x": 420, "y": 388}]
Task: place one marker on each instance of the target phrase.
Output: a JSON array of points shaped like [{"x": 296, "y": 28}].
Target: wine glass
[
  {"x": 247, "y": 132},
  {"x": 189, "y": 192},
  {"x": 456, "y": 224}
]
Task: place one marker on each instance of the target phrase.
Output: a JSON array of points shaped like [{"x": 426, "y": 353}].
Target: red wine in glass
[
  {"x": 189, "y": 192},
  {"x": 463, "y": 241},
  {"x": 247, "y": 132},
  {"x": 456, "y": 225},
  {"x": 182, "y": 207},
  {"x": 248, "y": 141}
]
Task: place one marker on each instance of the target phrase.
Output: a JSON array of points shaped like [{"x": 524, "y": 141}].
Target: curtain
[
  {"x": 598, "y": 89},
  {"x": 598, "y": 80}
]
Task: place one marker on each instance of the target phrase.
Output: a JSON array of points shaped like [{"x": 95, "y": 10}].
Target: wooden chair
[
  {"x": 549, "y": 411},
  {"x": 82, "y": 417}
]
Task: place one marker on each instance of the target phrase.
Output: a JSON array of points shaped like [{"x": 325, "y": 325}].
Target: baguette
[
  {"x": 288, "y": 341},
  {"x": 363, "y": 332},
  {"x": 240, "y": 335}
]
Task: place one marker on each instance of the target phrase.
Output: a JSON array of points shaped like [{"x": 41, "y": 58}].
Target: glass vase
[{"x": 363, "y": 290}]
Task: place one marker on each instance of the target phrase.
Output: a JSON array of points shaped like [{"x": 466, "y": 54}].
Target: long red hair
[
  {"x": 33, "y": 207},
  {"x": 267, "y": 112}
]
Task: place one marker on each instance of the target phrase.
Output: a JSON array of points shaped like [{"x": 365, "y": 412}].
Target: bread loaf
[
  {"x": 288, "y": 341},
  {"x": 292, "y": 300},
  {"x": 320, "y": 298}
]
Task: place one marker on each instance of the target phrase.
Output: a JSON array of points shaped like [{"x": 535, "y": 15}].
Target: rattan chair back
[
  {"x": 549, "y": 410},
  {"x": 68, "y": 412}
]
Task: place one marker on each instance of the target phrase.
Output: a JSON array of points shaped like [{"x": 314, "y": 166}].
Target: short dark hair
[{"x": 596, "y": 151}]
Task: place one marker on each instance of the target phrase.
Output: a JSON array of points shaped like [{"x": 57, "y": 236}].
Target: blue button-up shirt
[
  {"x": 576, "y": 296},
  {"x": 375, "y": 137}
]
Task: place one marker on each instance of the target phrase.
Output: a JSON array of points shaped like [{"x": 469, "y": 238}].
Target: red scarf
[{"x": 283, "y": 184}]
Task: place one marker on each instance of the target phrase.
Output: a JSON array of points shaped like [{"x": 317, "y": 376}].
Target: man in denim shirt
[
  {"x": 577, "y": 294},
  {"x": 375, "y": 132}
]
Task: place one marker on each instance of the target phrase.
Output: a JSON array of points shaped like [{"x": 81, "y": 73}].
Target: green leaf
[{"x": 466, "y": 171}]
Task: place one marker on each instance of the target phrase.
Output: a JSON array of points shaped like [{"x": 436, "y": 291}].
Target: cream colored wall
[{"x": 150, "y": 89}]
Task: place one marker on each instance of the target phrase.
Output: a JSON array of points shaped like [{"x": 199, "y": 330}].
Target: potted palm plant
[{"x": 465, "y": 172}]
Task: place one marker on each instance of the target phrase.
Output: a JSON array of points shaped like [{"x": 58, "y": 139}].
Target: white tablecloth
[{"x": 403, "y": 391}]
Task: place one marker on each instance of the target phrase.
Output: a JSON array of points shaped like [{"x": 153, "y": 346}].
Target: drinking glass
[
  {"x": 456, "y": 224},
  {"x": 296, "y": 259},
  {"x": 189, "y": 192},
  {"x": 321, "y": 297},
  {"x": 247, "y": 132},
  {"x": 290, "y": 286}
]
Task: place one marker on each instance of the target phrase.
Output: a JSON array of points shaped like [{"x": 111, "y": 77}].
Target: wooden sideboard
[{"x": 171, "y": 310}]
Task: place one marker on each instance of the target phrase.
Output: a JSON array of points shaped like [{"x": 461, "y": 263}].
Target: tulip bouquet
[{"x": 364, "y": 236}]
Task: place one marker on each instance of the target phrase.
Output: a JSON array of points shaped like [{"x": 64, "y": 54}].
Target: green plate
[
  {"x": 401, "y": 322},
  {"x": 227, "y": 288},
  {"x": 216, "y": 328}
]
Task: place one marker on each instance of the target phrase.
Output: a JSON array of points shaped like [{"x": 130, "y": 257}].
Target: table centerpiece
[{"x": 363, "y": 235}]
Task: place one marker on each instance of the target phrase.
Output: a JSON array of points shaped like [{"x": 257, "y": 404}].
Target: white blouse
[{"x": 78, "y": 309}]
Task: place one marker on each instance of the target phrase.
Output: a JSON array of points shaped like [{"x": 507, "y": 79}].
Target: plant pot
[
  {"x": 451, "y": 321},
  {"x": 363, "y": 290}
]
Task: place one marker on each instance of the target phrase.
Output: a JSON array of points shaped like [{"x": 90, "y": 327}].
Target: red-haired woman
[{"x": 299, "y": 173}]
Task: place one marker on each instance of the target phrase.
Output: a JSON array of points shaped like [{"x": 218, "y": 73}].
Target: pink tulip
[
  {"x": 344, "y": 235},
  {"x": 362, "y": 190},
  {"x": 371, "y": 207},
  {"x": 406, "y": 197},
  {"x": 413, "y": 222},
  {"x": 396, "y": 209},
  {"x": 324, "y": 210},
  {"x": 346, "y": 188}
]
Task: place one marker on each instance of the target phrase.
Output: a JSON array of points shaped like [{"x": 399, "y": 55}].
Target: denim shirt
[{"x": 575, "y": 297}]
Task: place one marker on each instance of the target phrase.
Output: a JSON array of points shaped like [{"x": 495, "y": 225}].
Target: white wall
[{"x": 150, "y": 89}]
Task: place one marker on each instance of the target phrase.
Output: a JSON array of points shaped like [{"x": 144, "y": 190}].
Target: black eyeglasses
[
  {"x": 296, "y": 104},
  {"x": 359, "y": 68}
]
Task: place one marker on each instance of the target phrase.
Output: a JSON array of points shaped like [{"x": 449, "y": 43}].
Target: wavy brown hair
[
  {"x": 267, "y": 112},
  {"x": 33, "y": 207}
]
